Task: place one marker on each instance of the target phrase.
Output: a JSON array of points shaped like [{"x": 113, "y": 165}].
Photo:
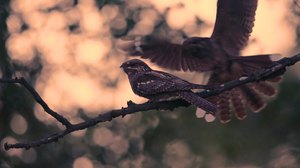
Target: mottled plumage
[
  {"x": 220, "y": 54},
  {"x": 158, "y": 85}
]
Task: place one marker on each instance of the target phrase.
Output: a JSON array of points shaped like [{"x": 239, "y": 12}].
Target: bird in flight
[
  {"x": 220, "y": 54},
  {"x": 157, "y": 85}
]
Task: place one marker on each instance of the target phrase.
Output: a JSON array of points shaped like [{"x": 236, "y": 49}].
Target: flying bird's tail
[
  {"x": 236, "y": 101},
  {"x": 198, "y": 101},
  {"x": 251, "y": 64}
]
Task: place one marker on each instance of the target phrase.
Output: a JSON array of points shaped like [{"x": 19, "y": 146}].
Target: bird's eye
[{"x": 133, "y": 65}]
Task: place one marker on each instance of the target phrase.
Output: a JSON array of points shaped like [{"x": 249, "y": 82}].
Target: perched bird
[
  {"x": 158, "y": 85},
  {"x": 219, "y": 54}
]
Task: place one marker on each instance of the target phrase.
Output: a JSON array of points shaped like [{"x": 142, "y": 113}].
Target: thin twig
[
  {"x": 39, "y": 100},
  {"x": 278, "y": 68}
]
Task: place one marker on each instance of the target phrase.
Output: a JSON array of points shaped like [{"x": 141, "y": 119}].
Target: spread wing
[
  {"x": 167, "y": 54},
  {"x": 234, "y": 23}
]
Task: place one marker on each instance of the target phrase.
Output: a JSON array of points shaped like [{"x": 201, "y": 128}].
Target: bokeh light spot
[
  {"x": 110, "y": 11},
  {"x": 14, "y": 24},
  {"x": 119, "y": 145},
  {"x": 18, "y": 124},
  {"x": 180, "y": 12},
  {"x": 102, "y": 136},
  {"x": 91, "y": 51},
  {"x": 82, "y": 162},
  {"x": 21, "y": 46},
  {"x": 177, "y": 154}
]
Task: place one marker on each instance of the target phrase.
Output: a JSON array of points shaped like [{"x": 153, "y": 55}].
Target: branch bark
[{"x": 278, "y": 68}]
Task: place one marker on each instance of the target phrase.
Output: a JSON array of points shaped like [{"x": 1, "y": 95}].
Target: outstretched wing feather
[{"x": 234, "y": 23}]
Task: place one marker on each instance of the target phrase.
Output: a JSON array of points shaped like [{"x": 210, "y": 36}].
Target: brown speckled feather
[
  {"x": 171, "y": 55},
  {"x": 238, "y": 104},
  {"x": 264, "y": 88},
  {"x": 157, "y": 85},
  {"x": 224, "y": 107},
  {"x": 219, "y": 54},
  {"x": 234, "y": 23},
  {"x": 253, "y": 99}
]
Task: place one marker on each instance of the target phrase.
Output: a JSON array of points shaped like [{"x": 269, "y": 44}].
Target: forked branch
[{"x": 278, "y": 68}]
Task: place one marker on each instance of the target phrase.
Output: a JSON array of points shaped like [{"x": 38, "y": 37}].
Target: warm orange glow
[
  {"x": 14, "y": 24},
  {"x": 273, "y": 31},
  {"x": 89, "y": 52},
  {"x": 77, "y": 48},
  {"x": 81, "y": 67},
  {"x": 20, "y": 47},
  {"x": 161, "y": 6},
  {"x": 145, "y": 24},
  {"x": 179, "y": 12}
]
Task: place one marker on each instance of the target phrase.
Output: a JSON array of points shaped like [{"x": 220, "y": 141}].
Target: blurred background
[{"x": 67, "y": 50}]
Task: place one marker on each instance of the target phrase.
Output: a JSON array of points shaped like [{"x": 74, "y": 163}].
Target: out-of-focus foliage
[{"x": 80, "y": 86}]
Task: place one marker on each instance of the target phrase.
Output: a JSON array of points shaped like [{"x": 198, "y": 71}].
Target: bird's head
[
  {"x": 134, "y": 66},
  {"x": 194, "y": 41}
]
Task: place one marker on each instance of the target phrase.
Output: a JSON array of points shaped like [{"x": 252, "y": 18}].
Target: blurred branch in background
[
  {"x": 296, "y": 3},
  {"x": 278, "y": 68}
]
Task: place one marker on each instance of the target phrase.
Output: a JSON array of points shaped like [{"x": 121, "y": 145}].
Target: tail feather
[
  {"x": 263, "y": 58},
  {"x": 238, "y": 105},
  {"x": 251, "y": 64},
  {"x": 253, "y": 99},
  {"x": 224, "y": 107},
  {"x": 264, "y": 88},
  {"x": 254, "y": 63},
  {"x": 198, "y": 101},
  {"x": 276, "y": 79}
]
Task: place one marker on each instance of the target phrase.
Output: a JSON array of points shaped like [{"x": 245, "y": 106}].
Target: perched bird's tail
[
  {"x": 197, "y": 86},
  {"x": 198, "y": 101}
]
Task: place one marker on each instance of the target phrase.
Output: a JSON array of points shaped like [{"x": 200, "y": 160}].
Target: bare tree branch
[
  {"x": 38, "y": 99},
  {"x": 278, "y": 68}
]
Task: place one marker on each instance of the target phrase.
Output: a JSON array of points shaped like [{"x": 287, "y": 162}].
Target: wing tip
[{"x": 130, "y": 45}]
